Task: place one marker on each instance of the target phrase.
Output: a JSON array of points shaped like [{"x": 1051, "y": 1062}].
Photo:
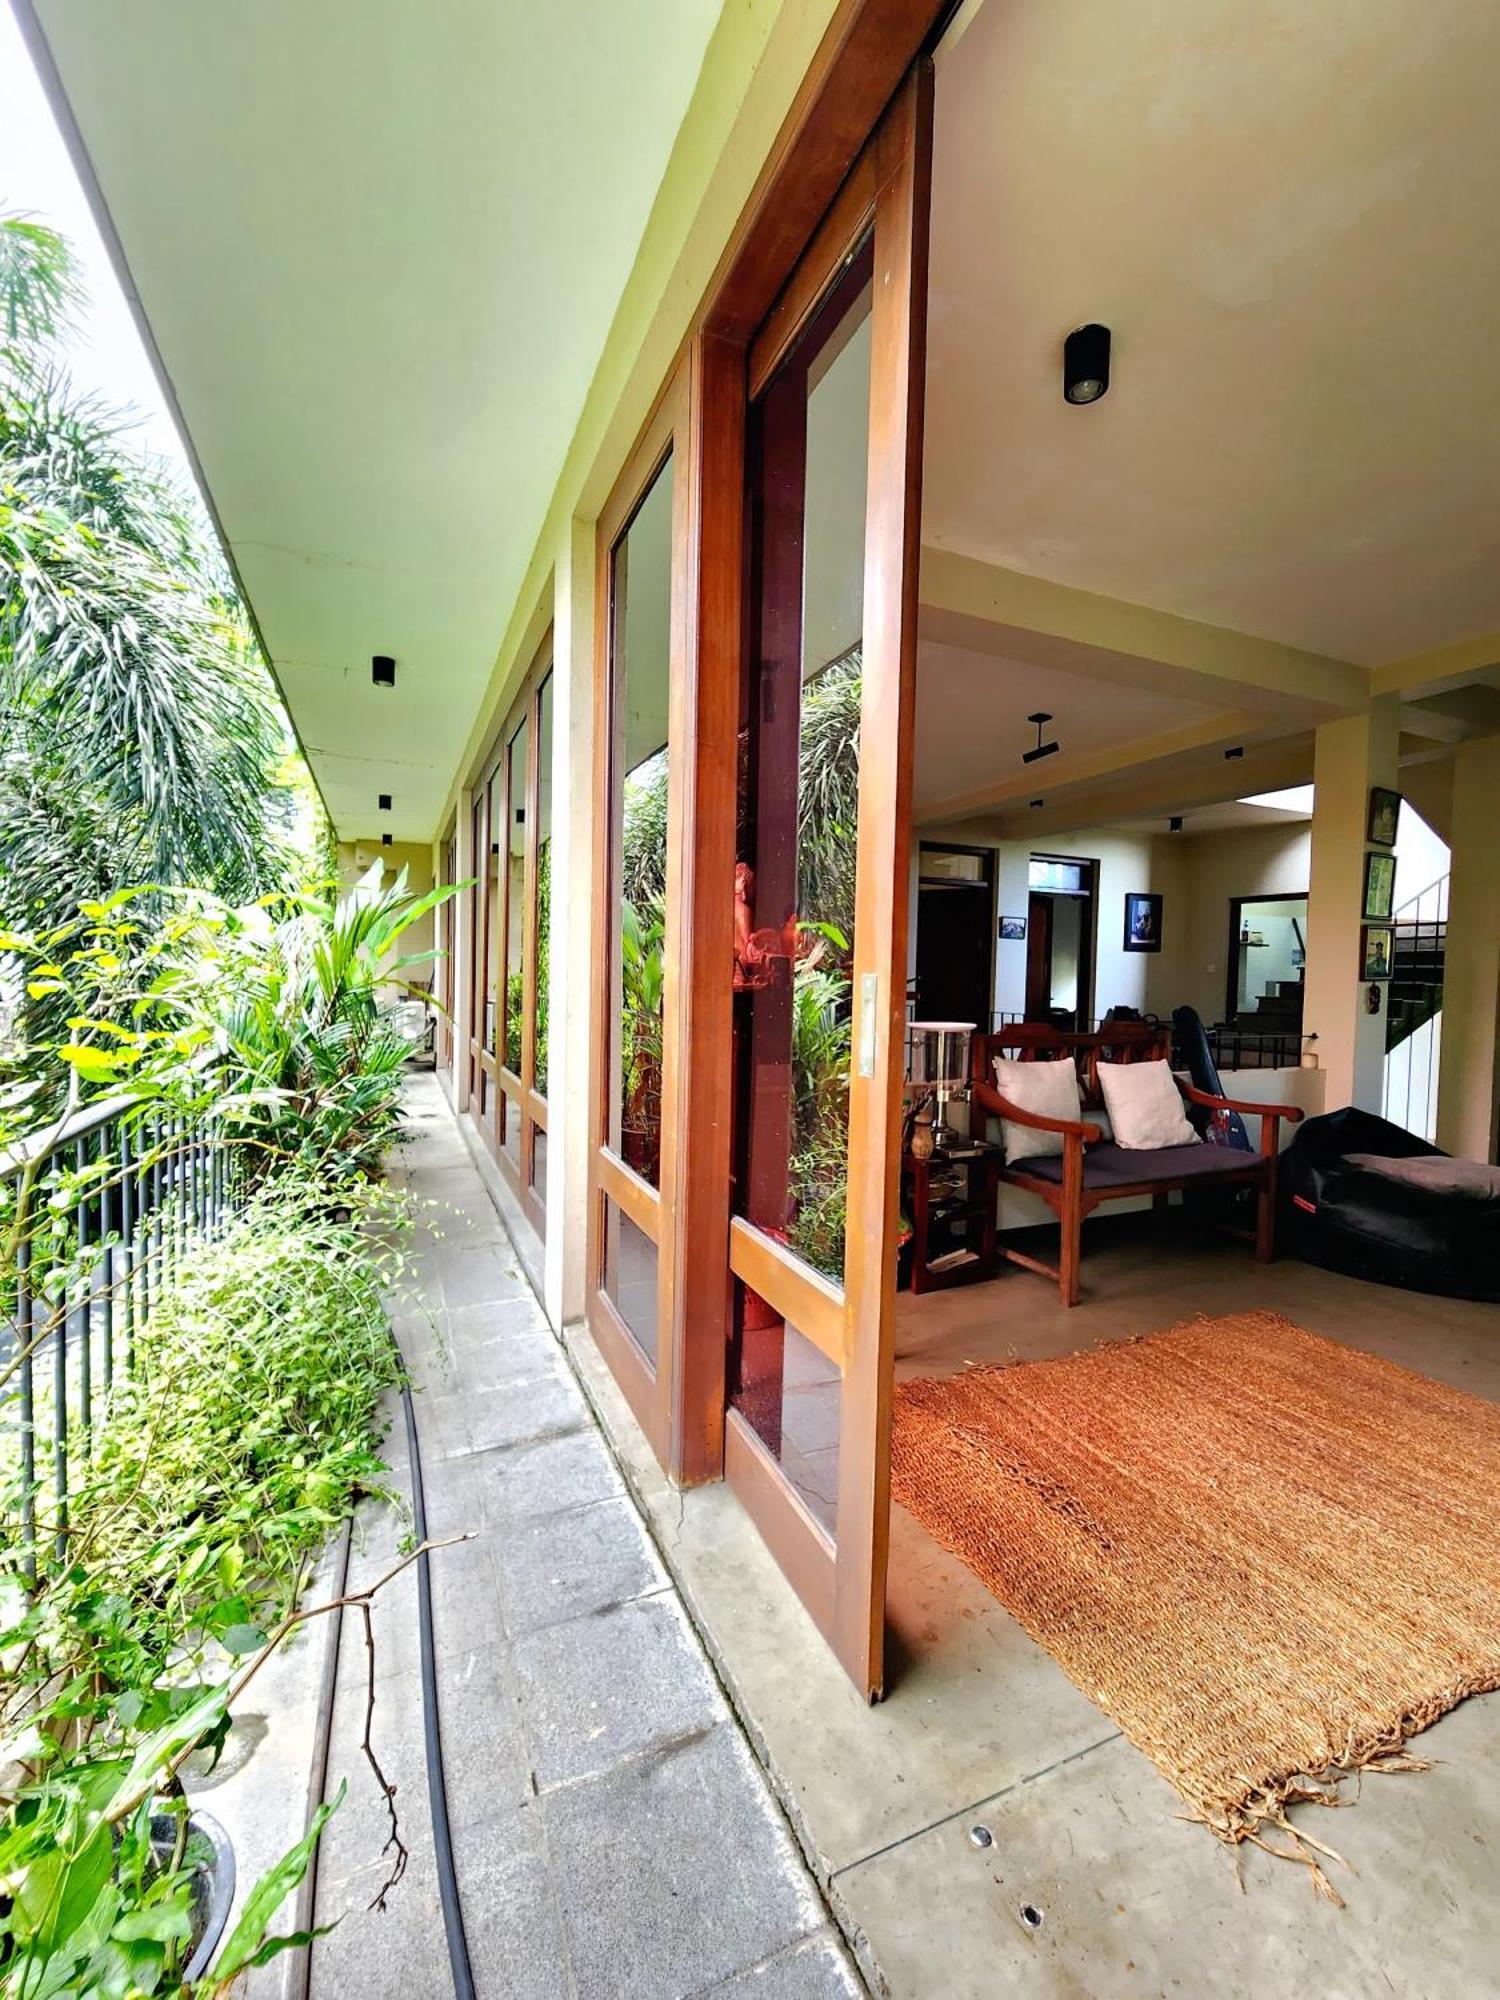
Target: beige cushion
[
  {"x": 1434, "y": 1172},
  {"x": 1049, "y": 1088},
  {"x": 1144, "y": 1106}
]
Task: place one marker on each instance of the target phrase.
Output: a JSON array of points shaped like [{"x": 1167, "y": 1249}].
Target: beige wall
[
  {"x": 1196, "y": 876},
  {"x": 1250, "y": 861}
]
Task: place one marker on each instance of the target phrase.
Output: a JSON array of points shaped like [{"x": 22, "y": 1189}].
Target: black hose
[{"x": 437, "y": 1789}]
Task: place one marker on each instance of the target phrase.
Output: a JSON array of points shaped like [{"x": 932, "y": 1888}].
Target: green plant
[
  {"x": 641, "y": 996},
  {"x": 643, "y": 833},
  {"x": 244, "y": 1431},
  {"x": 818, "y": 1169},
  {"x": 313, "y": 1069},
  {"x": 543, "y": 957},
  {"x": 142, "y": 737},
  {"x": 514, "y": 990},
  {"x": 828, "y": 794}
]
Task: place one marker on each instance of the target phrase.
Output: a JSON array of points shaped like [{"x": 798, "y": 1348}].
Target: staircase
[
  {"x": 1414, "y": 1011},
  {"x": 1416, "y": 989}
]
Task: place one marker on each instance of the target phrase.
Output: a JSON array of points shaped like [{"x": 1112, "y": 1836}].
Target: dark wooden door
[
  {"x": 954, "y": 920},
  {"x": 1038, "y": 957}
]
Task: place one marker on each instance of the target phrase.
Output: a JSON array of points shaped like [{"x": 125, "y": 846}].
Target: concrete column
[
  {"x": 568, "y": 1128},
  {"x": 462, "y": 934},
  {"x": 1352, "y": 754},
  {"x": 1470, "y": 1059}
]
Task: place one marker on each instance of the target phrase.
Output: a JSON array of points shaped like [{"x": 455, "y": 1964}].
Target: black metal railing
[
  {"x": 1414, "y": 1008},
  {"x": 99, "y": 1212}
]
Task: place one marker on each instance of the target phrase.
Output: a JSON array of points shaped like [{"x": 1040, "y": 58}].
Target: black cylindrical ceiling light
[
  {"x": 383, "y": 670},
  {"x": 1086, "y": 363}
]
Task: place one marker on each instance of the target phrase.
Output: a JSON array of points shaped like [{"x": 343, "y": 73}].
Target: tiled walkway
[{"x": 613, "y": 1832}]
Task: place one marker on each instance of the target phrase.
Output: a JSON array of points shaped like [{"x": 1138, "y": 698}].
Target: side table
[{"x": 952, "y": 1203}]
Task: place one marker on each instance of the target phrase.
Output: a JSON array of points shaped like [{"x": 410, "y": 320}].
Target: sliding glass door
[
  {"x": 510, "y": 914},
  {"x": 823, "y": 822},
  {"x": 640, "y": 631},
  {"x": 756, "y": 629}
]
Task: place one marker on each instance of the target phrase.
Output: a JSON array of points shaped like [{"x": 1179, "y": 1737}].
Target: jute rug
[{"x": 1270, "y": 1559}]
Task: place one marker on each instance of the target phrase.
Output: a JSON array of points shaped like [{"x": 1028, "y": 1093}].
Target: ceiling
[
  {"x": 379, "y": 246},
  {"x": 971, "y": 726},
  {"x": 1286, "y": 215},
  {"x": 1232, "y": 814}
]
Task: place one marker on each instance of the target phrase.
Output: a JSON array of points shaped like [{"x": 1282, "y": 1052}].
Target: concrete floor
[
  {"x": 982, "y": 1729},
  {"x": 614, "y": 1836}
]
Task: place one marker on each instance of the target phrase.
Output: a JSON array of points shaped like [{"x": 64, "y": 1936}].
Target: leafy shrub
[{"x": 245, "y": 1431}]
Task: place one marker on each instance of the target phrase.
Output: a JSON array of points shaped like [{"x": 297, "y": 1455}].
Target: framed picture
[
  {"x": 1012, "y": 927},
  {"x": 1380, "y": 887},
  {"x": 1385, "y": 813},
  {"x": 1377, "y": 951},
  {"x": 1142, "y": 923}
]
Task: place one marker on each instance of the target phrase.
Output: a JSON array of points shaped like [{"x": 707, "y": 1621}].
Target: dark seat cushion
[{"x": 1118, "y": 1166}]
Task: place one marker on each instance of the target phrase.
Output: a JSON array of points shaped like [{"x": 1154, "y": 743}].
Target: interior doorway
[
  {"x": 955, "y": 958},
  {"x": 1060, "y": 944}
]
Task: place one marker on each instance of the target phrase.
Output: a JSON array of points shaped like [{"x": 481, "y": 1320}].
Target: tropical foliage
[
  {"x": 243, "y": 1432},
  {"x": 310, "y": 1065},
  {"x": 155, "y": 949},
  {"x": 245, "y": 1424},
  {"x": 142, "y": 740}
]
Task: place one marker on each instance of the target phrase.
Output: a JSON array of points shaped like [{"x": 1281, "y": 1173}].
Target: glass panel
[
  {"x": 799, "y": 804},
  {"x": 515, "y": 897},
  {"x": 788, "y": 1392},
  {"x": 510, "y": 1130},
  {"x": 1044, "y": 871},
  {"x": 543, "y": 888},
  {"x": 495, "y": 899},
  {"x": 630, "y": 1277},
  {"x": 539, "y": 1164},
  {"x": 446, "y": 928},
  {"x": 641, "y": 580}
]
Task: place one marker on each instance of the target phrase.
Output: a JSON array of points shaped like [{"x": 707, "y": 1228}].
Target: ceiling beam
[
  {"x": 1068, "y": 772},
  {"x": 1440, "y": 670},
  {"x": 987, "y": 608},
  {"x": 1172, "y": 783},
  {"x": 1433, "y": 724}
]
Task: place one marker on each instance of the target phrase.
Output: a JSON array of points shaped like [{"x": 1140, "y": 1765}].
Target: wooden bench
[{"x": 1088, "y": 1170}]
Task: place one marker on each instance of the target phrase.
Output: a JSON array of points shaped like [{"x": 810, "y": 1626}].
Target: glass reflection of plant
[
  {"x": 643, "y": 858},
  {"x": 543, "y": 958}
]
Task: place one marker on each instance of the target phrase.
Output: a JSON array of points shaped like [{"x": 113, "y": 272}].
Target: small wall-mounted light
[
  {"x": 385, "y": 839},
  {"x": 384, "y": 802},
  {"x": 1086, "y": 363},
  {"x": 1041, "y": 719},
  {"x": 1037, "y": 802},
  {"x": 1233, "y": 756},
  {"x": 1174, "y": 824},
  {"x": 383, "y": 670}
]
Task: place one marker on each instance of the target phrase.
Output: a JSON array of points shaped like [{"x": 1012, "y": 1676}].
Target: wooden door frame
[
  {"x": 445, "y": 938},
  {"x": 856, "y": 144},
  {"x": 1232, "y": 960},
  {"x": 649, "y": 1388},
  {"x": 989, "y": 881},
  {"x": 842, "y": 1578}
]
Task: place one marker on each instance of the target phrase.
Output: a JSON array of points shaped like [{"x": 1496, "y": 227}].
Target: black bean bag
[{"x": 1349, "y": 1218}]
